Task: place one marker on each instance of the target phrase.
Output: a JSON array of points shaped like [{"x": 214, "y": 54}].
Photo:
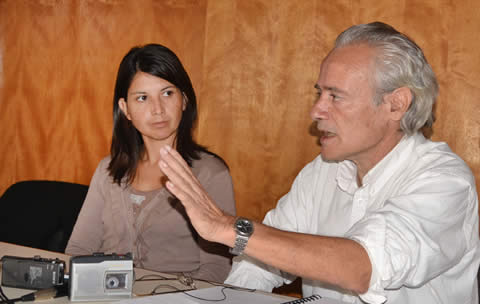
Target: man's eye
[{"x": 334, "y": 97}]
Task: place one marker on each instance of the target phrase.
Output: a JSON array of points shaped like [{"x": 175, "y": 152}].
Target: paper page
[
  {"x": 220, "y": 294},
  {"x": 230, "y": 296},
  {"x": 234, "y": 296}
]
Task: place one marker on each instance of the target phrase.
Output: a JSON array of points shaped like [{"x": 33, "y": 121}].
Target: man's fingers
[
  {"x": 174, "y": 174},
  {"x": 174, "y": 153},
  {"x": 179, "y": 173},
  {"x": 173, "y": 157},
  {"x": 179, "y": 193},
  {"x": 183, "y": 183}
]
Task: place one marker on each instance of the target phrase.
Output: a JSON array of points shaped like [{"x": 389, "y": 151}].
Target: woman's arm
[{"x": 86, "y": 237}]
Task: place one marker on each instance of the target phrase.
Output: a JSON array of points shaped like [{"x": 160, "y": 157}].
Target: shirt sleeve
[
  {"x": 409, "y": 240},
  {"x": 87, "y": 234},
  {"x": 215, "y": 259},
  {"x": 289, "y": 215}
]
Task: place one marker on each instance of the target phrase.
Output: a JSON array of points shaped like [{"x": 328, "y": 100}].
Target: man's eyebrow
[{"x": 332, "y": 89}]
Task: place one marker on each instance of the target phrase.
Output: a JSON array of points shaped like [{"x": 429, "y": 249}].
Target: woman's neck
[{"x": 151, "y": 153}]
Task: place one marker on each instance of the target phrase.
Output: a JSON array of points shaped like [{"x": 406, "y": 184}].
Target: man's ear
[
  {"x": 124, "y": 107},
  {"x": 399, "y": 100}
]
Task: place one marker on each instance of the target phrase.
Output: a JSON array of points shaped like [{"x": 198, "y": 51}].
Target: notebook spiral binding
[{"x": 310, "y": 299}]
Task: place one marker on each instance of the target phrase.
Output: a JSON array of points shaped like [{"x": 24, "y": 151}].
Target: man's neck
[{"x": 363, "y": 167}]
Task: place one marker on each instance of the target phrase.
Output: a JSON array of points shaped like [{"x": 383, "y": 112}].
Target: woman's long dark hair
[{"x": 127, "y": 143}]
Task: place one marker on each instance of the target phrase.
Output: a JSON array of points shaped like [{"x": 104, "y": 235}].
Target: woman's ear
[
  {"x": 399, "y": 100},
  {"x": 124, "y": 107}
]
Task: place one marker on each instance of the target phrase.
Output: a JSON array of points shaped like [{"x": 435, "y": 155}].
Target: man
[{"x": 383, "y": 214}]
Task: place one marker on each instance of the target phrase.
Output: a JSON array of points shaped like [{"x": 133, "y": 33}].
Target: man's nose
[{"x": 321, "y": 108}]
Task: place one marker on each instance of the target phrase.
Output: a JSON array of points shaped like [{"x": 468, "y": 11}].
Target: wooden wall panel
[
  {"x": 262, "y": 59},
  {"x": 257, "y": 93},
  {"x": 458, "y": 111},
  {"x": 8, "y": 123},
  {"x": 60, "y": 60},
  {"x": 253, "y": 64}
]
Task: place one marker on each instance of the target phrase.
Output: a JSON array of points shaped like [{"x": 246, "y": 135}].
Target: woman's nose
[{"x": 157, "y": 107}]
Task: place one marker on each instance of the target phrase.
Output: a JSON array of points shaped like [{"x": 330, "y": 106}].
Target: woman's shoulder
[
  {"x": 102, "y": 178},
  {"x": 103, "y": 164},
  {"x": 208, "y": 162},
  {"x": 101, "y": 172},
  {"x": 213, "y": 173}
]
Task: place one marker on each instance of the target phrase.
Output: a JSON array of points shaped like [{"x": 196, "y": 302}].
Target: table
[{"x": 139, "y": 287}]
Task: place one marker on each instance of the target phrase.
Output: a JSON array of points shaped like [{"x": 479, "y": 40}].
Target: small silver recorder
[{"x": 101, "y": 277}]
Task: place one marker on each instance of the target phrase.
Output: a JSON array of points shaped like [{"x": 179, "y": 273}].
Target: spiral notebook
[{"x": 313, "y": 299}]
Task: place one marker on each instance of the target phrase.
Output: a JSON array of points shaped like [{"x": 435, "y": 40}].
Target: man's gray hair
[{"x": 399, "y": 63}]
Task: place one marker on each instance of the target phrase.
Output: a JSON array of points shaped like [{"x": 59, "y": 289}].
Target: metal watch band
[
  {"x": 240, "y": 244},
  {"x": 243, "y": 229}
]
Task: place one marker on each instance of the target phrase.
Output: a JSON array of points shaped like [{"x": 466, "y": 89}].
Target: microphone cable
[{"x": 42, "y": 294}]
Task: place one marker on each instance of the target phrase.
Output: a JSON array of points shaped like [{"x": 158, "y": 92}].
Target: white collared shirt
[{"x": 416, "y": 215}]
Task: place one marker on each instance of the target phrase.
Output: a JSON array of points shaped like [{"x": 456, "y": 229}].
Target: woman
[{"x": 127, "y": 208}]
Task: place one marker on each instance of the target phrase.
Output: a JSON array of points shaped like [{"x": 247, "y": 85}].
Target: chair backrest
[{"x": 40, "y": 214}]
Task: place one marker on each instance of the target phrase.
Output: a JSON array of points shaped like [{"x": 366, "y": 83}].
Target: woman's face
[{"x": 155, "y": 108}]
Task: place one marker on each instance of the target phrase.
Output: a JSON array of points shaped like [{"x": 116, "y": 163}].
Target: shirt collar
[{"x": 378, "y": 175}]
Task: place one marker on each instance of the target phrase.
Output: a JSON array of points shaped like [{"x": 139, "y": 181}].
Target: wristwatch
[{"x": 244, "y": 229}]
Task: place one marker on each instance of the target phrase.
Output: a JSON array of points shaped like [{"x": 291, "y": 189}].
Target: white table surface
[{"x": 139, "y": 288}]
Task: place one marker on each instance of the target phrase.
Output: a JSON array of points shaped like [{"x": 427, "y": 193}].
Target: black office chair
[{"x": 40, "y": 214}]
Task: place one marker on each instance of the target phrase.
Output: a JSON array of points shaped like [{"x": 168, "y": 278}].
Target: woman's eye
[
  {"x": 167, "y": 93},
  {"x": 141, "y": 98}
]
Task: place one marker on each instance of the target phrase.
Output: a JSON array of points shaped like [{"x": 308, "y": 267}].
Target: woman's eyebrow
[
  {"x": 137, "y": 92},
  {"x": 144, "y": 92},
  {"x": 168, "y": 87}
]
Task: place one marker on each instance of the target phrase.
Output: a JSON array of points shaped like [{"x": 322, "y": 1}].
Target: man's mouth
[{"x": 328, "y": 134}]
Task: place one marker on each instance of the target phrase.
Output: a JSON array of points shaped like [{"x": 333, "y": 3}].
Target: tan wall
[{"x": 253, "y": 64}]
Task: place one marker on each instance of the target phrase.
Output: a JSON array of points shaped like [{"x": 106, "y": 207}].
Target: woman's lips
[{"x": 159, "y": 124}]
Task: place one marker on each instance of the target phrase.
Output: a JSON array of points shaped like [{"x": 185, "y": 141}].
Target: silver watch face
[{"x": 244, "y": 227}]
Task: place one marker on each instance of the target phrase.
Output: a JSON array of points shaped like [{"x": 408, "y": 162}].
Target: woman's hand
[{"x": 210, "y": 221}]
